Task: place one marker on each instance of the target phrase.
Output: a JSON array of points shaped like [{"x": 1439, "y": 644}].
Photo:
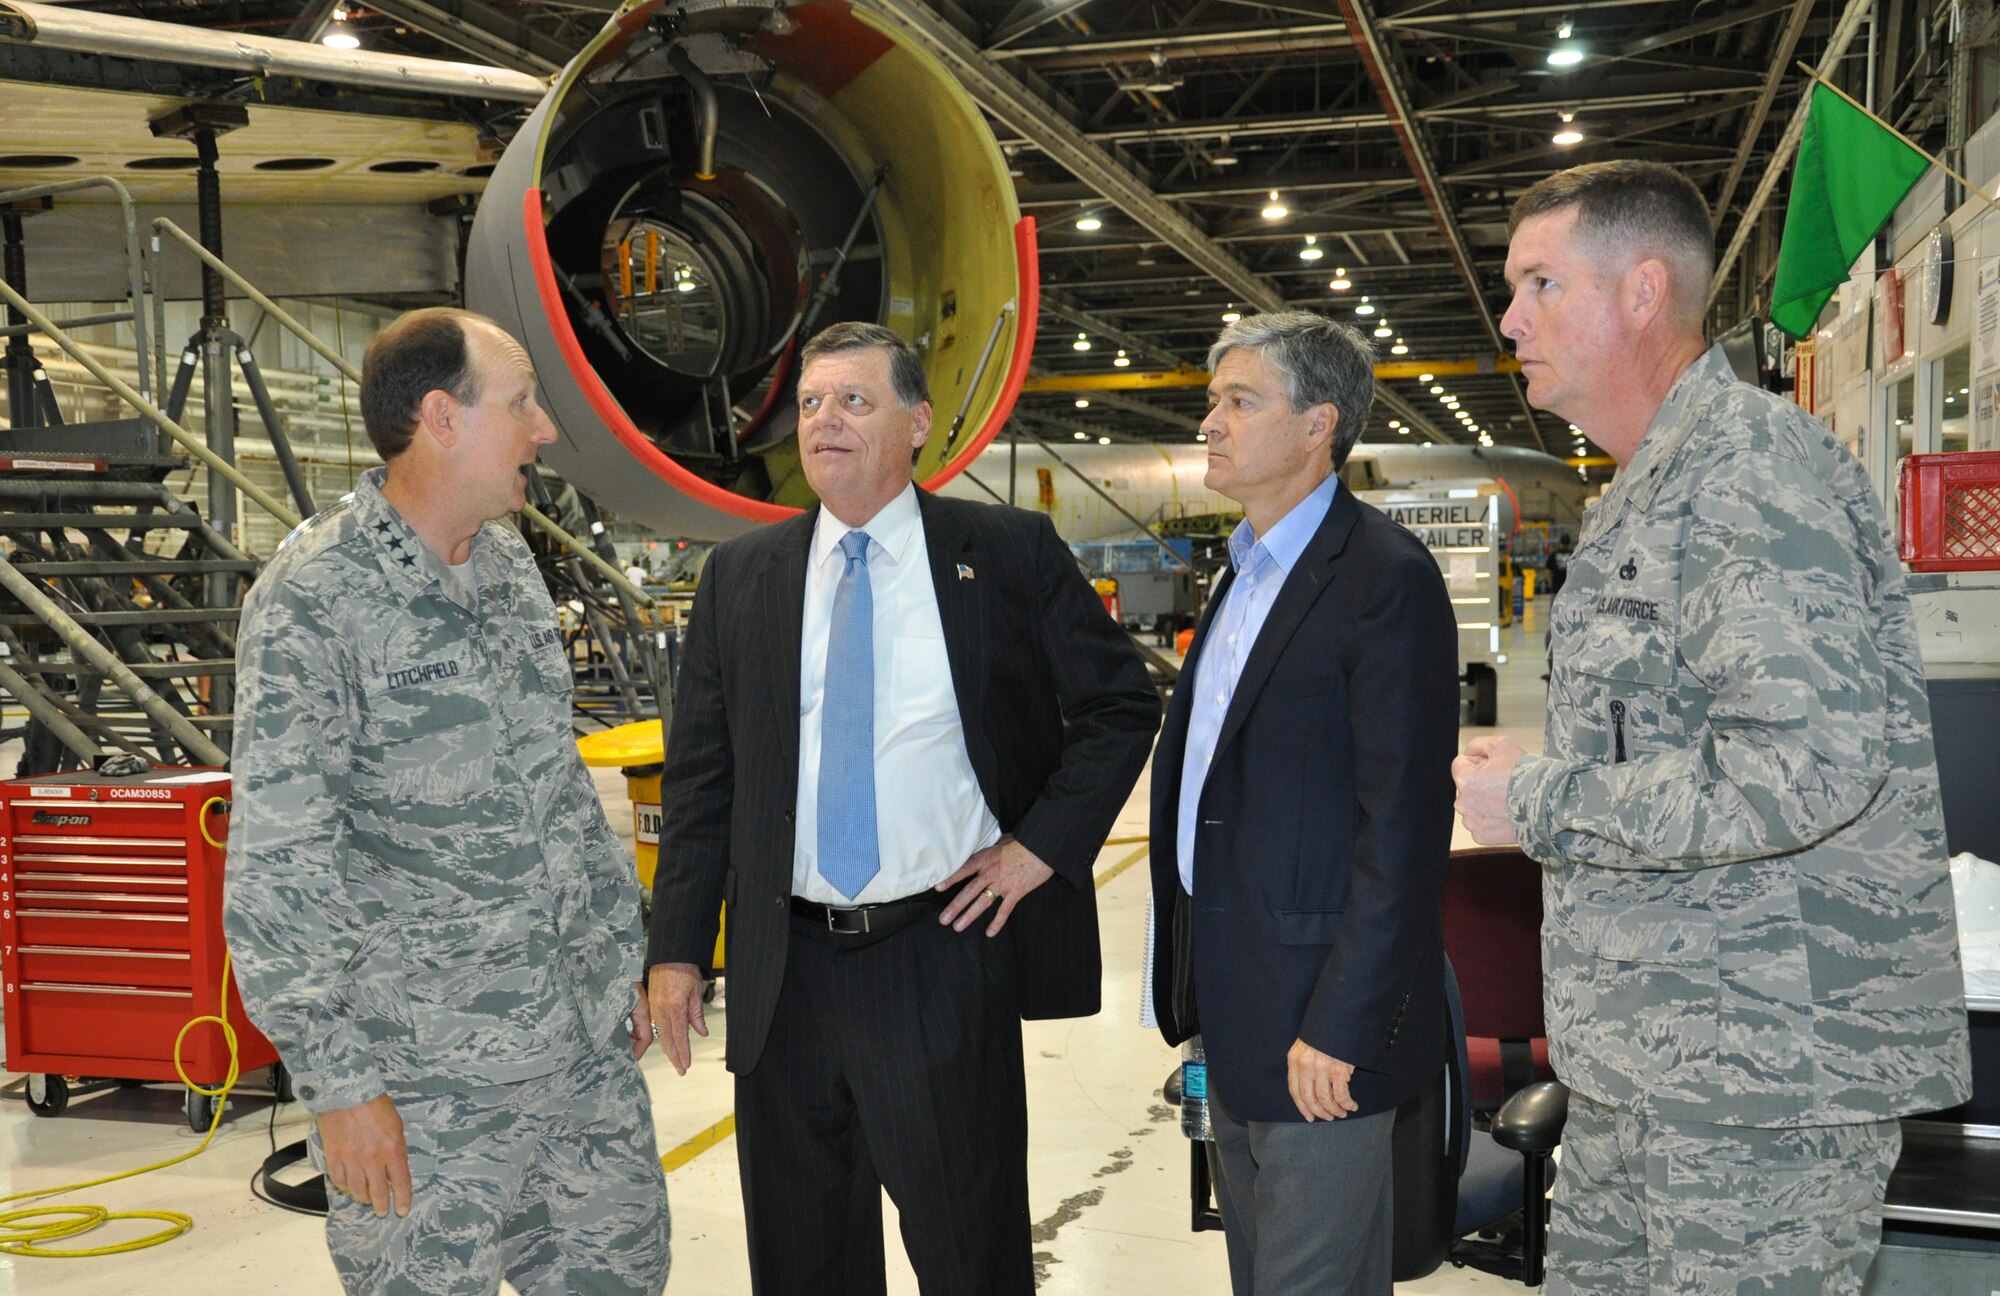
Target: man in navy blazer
[{"x": 1302, "y": 803}]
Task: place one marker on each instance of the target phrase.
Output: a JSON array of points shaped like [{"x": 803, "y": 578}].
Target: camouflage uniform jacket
[
  {"x": 1748, "y": 915},
  {"x": 423, "y": 892}
]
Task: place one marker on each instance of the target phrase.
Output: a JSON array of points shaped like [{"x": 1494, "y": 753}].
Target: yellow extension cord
[{"x": 23, "y": 1232}]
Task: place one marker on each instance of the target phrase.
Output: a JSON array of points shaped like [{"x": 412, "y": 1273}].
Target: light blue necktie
[{"x": 848, "y": 853}]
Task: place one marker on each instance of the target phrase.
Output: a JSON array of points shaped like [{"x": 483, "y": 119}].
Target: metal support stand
[
  {"x": 31, "y": 400},
  {"x": 221, "y": 407},
  {"x": 274, "y": 427}
]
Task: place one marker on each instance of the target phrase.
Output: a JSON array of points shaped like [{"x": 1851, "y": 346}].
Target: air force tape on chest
[{"x": 1631, "y": 608}]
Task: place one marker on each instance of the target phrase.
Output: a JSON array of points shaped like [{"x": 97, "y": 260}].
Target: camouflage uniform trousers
[
  {"x": 553, "y": 1183},
  {"x": 1644, "y": 1205}
]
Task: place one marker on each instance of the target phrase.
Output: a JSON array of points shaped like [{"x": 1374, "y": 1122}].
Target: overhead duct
[{"x": 849, "y": 178}]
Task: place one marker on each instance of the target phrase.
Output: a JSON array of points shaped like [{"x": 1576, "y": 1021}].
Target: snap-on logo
[
  {"x": 60, "y": 820},
  {"x": 139, "y": 794}
]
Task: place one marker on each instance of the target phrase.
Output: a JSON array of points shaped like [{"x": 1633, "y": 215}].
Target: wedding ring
[{"x": 990, "y": 893}]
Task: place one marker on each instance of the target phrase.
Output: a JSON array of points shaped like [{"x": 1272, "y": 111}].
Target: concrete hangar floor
[{"x": 1107, "y": 1165}]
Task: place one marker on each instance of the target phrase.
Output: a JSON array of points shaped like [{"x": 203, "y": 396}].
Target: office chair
[
  {"x": 1492, "y": 907},
  {"x": 1454, "y": 1180}
]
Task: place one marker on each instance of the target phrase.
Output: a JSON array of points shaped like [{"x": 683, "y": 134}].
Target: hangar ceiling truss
[{"x": 1395, "y": 135}]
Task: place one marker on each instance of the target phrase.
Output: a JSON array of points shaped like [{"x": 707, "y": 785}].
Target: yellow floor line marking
[
  {"x": 1143, "y": 850},
  {"x": 723, "y": 1129},
  {"x": 699, "y": 1144}
]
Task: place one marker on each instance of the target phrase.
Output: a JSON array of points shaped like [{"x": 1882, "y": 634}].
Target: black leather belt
[{"x": 870, "y": 919}]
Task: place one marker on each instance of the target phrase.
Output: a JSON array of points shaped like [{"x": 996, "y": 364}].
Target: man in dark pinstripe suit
[{"x": 903, "y": 729}]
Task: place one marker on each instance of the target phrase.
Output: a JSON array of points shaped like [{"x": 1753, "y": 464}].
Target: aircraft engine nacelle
[{"x": 706, "y": 186}]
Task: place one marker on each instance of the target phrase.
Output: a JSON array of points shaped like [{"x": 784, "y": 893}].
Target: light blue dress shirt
[{"x": 1261, "y": 565}]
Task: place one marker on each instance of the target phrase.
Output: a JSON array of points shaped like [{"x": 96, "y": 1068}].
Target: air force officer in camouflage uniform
[
  {"x": 1750, "y": 953},
  {"x": 429, "y": 914}
]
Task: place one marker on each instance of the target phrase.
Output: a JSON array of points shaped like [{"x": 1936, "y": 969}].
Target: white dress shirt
[{"x": 929, "y": 812}]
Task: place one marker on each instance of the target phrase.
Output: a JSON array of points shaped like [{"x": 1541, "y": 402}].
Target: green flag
[{"x": 1851, "y": 173}]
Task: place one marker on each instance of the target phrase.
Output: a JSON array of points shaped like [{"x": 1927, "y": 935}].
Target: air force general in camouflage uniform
[
  {"x": 1751, "y": 960},
  {"x": 429, "y": 914}
]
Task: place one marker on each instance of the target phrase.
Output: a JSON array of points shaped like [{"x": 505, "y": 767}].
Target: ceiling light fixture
[
  {"x": 1089, "y": 224},
  {"x": 1340, "y": 283},
  {"x": 1401, "y": 348},
  {"x": 1312, "y": 251},
  {"x": 1569, "y": 134},
  {"x": 1565, "y": 29},
  {"x": 1275, "y": 210},
  {"x": 1366, "y": 307},
  {"x": 1565, "y": 56},
  {"x": 1082, "y": 342},
  {"x": 338, "y": 34},
  {"x": 1435, "y": 389},
  {"x": 1104, "y": 440},
  {"x": 1383, "y": 330},
  {"x": 1083, "y": 436},
  {"x": 1082, "y": 402},
  {"x": 1123, "y": 361}
]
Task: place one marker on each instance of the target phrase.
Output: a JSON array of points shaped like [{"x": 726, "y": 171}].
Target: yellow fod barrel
[{"x": 638, "y": 750}]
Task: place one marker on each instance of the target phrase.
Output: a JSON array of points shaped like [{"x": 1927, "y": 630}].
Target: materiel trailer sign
[{"x": 1453, "y": 524}]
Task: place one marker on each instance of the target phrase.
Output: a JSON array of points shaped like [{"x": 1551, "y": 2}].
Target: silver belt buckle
[{"x": 831, "y": 910}]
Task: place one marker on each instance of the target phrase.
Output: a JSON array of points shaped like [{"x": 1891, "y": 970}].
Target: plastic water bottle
[{"x": 1194, "y": 1091}]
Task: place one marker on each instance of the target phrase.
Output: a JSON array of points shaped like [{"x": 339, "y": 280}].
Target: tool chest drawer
[
  {"x": 44, "y": 925},
  {"x": 75, "y": 1020},
  {"x": 85, "y": 965},
  {"x": 75, "y": 815}
]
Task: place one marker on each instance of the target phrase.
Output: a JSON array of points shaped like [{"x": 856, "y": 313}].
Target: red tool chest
[{"x": 111, "y": 930}]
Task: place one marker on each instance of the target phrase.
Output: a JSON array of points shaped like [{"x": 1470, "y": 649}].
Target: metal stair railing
[
  {"x": 134, "y": 259},
  {"x": 192, "y": 443},
  {"x": 81, "y": 622},
  {"x": 98, "y": 593}
]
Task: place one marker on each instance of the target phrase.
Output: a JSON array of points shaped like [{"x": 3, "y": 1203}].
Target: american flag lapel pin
[{"x": 964, "y": 572}]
